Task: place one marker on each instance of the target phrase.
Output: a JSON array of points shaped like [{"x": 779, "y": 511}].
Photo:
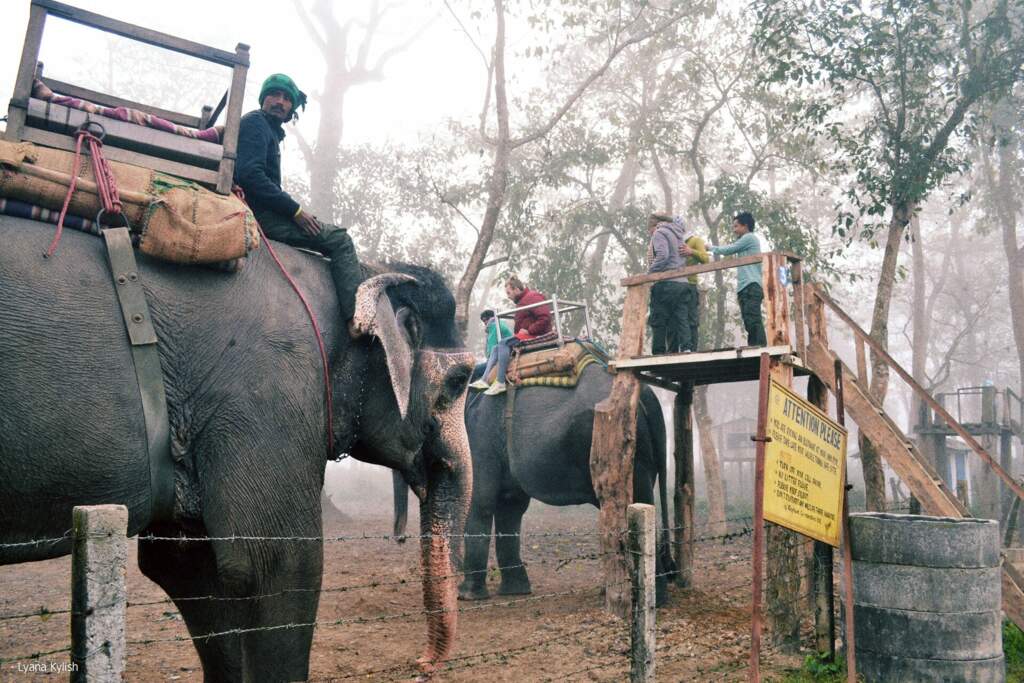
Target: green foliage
[
  {"x": 818, "y": 668},
  {"x": 889, "y": 84},
  {"x": 1013, "y": 651}
]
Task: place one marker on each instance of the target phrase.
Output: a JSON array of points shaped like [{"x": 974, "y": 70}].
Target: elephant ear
[{"x": 397, "y": 330}]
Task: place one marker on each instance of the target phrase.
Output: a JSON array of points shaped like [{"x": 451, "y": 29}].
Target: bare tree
[{"x": 350, "y": 57}]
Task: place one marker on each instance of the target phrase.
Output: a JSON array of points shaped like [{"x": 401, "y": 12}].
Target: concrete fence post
[
  {"x": 640, "y": 523},
  {"x": 98, "y": 595}
]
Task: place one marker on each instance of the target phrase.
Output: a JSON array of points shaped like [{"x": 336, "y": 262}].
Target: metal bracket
[{"x": 132, "y": 298}]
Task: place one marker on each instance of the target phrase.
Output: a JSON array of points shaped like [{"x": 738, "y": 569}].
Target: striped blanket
[{"x": 41, "y": 92}]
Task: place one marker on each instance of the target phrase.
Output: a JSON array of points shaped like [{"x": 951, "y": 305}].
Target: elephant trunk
[{"x": 442, "y": 516}]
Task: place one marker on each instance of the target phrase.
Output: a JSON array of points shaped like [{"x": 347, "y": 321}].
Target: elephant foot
[
  {"x": 515, "y": 583},
  {"x": 473, "y": 592}
]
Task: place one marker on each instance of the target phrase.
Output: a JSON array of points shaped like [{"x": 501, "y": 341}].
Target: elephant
[
  {"x": 547, "y": 457},
  {"x": 245, "y": 391}
]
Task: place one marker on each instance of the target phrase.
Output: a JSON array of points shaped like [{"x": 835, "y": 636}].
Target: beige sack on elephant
[{"x": 176, "y": 220}]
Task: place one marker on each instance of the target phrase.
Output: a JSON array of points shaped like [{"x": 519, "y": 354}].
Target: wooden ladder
[{"x": 899, "y": 451}]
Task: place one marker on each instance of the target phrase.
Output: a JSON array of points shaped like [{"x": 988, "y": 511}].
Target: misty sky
[{"x": 440, "y": 76}]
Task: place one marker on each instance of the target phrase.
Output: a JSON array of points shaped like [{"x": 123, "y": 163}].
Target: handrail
[
  {"x": 920, "y": 391},
  {"x": 721, "y": 264}
]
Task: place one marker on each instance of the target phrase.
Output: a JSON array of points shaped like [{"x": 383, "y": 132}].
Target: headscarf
[{"x": 286, "y": 85}]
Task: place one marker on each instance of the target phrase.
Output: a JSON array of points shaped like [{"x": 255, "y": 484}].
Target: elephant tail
[
  {"x": 656, "y": 426},
  {"x": 401, "y": 490}
]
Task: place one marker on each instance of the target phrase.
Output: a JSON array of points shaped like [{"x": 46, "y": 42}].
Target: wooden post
[
  {"x": 612, "y": 451},
  {"x": 684, "y": 496},
  {"x": 1006, "y": 461},
  {"x": 851, "y": 646},
  {"x": 824, "y": 598},
  {"x": 642, "y": 535},
  {"x": 98, "y": 597},
  {"x": 18, "y": 109},
  {"x": 796, "y": 273},
  {"x": 226, "y": 172},
  {"x": 783, "y": 545},
  {"x": 758, "y": 553},
  {"x": 862, "y": 362}
]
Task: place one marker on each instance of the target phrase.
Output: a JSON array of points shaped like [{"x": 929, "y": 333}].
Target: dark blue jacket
[{"x": 258, "y": 166}]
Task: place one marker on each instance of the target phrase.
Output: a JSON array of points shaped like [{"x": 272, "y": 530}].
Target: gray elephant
[
  {"x": 246, "y": 405},
  {"x": 546, "y": 457}
]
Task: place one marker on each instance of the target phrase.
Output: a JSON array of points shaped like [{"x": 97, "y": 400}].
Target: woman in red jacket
[{"x": 531, "y": 323}]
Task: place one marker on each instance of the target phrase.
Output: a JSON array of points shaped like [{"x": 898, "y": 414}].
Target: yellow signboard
[{"x": 803, "y": 470}]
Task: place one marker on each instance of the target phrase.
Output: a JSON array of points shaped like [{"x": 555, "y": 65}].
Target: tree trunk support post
[
  {"x": 684, "y": 495},
  {"x": 612, "y": 452},
  {"x": 641, "y": 543},
  {"x": 98, "y": 595}
]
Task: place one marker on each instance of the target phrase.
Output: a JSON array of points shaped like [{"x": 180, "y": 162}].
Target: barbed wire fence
[{"x": 706, "y": 636}]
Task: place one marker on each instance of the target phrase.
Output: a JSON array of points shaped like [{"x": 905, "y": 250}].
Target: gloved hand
[{"x": 523, "y": 335}]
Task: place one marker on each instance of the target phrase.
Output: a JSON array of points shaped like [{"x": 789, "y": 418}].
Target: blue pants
[{"x": 501, "y": 355}]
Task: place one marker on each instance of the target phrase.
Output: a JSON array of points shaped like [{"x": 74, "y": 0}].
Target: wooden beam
[
  {"x": 899, "y": 452},
  {"x": 106, "y": 100},
  {"x": 612, "y": 452},
  {"x": 700, "y": 357},
  {"x": 776, "y": 301},
  {"x": 725, "y": 264},
  {"x": 796, "y": 273},
  {"x": 862, "y": 361},
  {"x": 58, "y": 141},
  {"x": 226, "y": 172},
  {"x": 139, "y": 33},
  {"x": 142, "y": 139},
  {"x": 684, "y": 494},
  {"x": 16, "y": 112}
]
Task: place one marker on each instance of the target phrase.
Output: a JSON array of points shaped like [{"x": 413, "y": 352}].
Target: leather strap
[{"x": 148, "y": 372}]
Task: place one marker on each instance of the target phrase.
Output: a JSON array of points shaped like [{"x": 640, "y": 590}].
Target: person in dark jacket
[
  {"x": 258, "y": 173},
  {"x": 530, "y": 323},
  {"x": 674, "y": 307}
]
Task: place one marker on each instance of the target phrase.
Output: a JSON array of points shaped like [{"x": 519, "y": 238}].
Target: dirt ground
[{"x": 559, "y": 633}]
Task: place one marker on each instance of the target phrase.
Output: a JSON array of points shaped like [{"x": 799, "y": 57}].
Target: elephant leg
[
  {"x": 508, "y": 521},
  {"x": 270, "y": 652},
  {"x": 477, "y": 549},
  {"x": 186, "y": 571}
]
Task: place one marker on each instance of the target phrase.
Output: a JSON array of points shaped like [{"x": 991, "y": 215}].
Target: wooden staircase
[{"x": 899, "y": 451}]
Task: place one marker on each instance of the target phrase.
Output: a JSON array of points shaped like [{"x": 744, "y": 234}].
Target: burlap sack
[{"x": 178, "y": 220}]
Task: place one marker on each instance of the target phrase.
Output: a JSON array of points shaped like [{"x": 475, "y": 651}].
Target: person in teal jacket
[
  {"x": 748, "y": 285},
  {"x": 492, "y": 325}
]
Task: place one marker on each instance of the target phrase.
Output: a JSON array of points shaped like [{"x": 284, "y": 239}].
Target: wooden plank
[
  {"x": 16, "y": 113},
  {"x": 701, "y": 357},
  {"x": 226, "y": 172},
  {"x": 106, "y": 100},
  {"x": 1013, "y": 595},
  {"x": 796, "y": 273},
  {"x": 923, "y": 394},
  {"x": 58, "y": 141},
  {"x": 891, "y": 444},
  {"x": 862, "y": 362},
  {"x": 776, "y": 301},
  {"x": 143, "y": 139},
  {"x": 139, "y": 33},
  {"x": 649, "y": 278},
  {"x": 612, "y": 451}
]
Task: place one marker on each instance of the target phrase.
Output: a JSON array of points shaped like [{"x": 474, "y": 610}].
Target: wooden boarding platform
[
  {"x": 708, "y": 367},
  {"x": 798, "y": 345}
]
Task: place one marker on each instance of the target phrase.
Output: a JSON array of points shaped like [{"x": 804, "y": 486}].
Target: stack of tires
[{"x": 927, "y": 597}]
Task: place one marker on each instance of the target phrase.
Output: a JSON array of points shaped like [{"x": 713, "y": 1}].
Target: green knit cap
[{"x": 287, "y": 86}]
